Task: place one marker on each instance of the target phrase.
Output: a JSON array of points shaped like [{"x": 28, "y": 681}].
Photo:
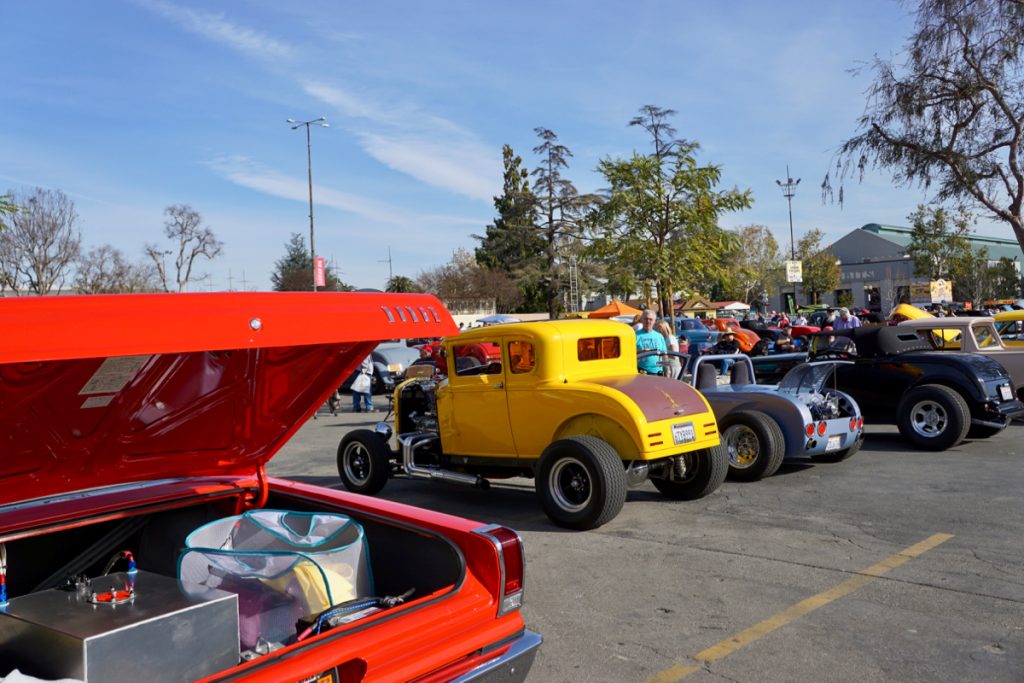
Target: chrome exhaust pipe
[{"x": 410, "y": 442}]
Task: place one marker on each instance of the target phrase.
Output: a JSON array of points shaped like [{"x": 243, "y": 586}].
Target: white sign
[{"x": 794, "y": 271}]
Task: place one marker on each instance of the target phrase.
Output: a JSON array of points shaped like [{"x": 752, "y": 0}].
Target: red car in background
[{"x": 131, "y": 421}]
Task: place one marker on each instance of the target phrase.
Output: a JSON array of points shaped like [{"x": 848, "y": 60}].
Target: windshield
[{"x": 808, "y": 377}]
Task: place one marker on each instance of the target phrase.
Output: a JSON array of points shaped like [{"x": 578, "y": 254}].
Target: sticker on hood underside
[{"x": 113, "y": 374}]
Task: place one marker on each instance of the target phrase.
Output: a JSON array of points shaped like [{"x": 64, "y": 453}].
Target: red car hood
[{"x": 102, "y": 390}]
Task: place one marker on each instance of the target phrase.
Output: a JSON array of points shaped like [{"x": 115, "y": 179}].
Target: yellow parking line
[{"x": 755, "y": 632}]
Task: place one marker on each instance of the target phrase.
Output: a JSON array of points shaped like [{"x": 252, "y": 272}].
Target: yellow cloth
[{"x": 310, "y": 582}]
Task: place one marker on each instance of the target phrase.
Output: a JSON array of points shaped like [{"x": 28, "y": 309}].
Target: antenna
[{"x": 391, "y": 273}]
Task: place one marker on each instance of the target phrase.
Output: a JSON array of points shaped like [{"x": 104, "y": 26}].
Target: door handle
[{"x": 499, "y": 385}]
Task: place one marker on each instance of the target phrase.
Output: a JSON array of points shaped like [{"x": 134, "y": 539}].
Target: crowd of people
[{"x": 656, "y": 334}]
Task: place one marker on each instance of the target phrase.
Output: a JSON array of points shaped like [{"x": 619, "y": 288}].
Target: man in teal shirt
[{"x": 647, "y": 339}]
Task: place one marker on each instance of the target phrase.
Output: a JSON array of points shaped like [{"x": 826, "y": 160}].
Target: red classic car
[{"x": 131, "y": 423}]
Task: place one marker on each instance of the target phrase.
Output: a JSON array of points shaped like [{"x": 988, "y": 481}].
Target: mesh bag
[{"x": 283, "y": 565}]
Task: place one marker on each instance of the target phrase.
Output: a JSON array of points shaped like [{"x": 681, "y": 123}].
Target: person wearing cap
[{"x": 845, "y": 321}]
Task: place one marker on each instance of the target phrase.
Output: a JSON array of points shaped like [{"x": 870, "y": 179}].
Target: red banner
[{"x": 319, "y": 278}]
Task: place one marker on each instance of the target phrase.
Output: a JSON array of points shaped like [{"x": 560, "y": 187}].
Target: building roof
[{"x": 998, "y": 247}]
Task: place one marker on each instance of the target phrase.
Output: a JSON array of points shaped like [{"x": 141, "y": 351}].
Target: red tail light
[
  {"x": 860, "y": 423},
  {"x": 810, "y": 430},
  {"x": 853, "y": 423},
  {"x": 512, "y": 562},
  {"x": 821, "y": 429}
]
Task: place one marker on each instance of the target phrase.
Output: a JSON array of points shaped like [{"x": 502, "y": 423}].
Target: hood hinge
[{"x": 255, "y": 500}]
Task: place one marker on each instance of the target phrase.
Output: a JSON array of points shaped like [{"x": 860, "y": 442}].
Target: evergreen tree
[
  {"x": 512, "y": 243},
  {"x": 294, "y": 271},
  {"x": 563, "y": 215}
]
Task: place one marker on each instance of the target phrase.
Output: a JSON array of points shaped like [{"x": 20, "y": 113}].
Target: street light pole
[
  {"x": 322, "y": 122},
  {"x": 788, "y": 190}
]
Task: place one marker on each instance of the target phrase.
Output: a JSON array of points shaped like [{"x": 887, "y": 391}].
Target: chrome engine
[
  {"x": 824, "y": 406},
  {"x": 416, "y": 410}
]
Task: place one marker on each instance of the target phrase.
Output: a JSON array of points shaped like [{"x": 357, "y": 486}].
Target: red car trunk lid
[{"x": 102, "y": 390}]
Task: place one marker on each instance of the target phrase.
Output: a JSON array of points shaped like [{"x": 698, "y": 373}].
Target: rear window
[
  {"x": 521, "y": 357},
  {"x": 597, "y": 348}
]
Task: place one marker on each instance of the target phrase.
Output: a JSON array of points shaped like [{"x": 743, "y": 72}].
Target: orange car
[
  {"x": 747, "y": 339},
  {"x": 134, "y": 424}
]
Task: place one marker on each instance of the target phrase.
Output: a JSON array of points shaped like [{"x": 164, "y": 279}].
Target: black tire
[
  {"x": 983, "y": 431},
  {"x": 581, "y": 482},
  {"x": 364, "y": 461},
  {"x": 839, "y": 456},
  {"x": 755, "y": 444},
  {"x": 933, "y": 417},
  {"x": 705, "y": 472}
]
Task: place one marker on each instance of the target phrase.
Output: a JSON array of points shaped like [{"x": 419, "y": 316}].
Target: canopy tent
[
  {"x": 497, "y": 319},
  {"x": 615, "y": 308}
]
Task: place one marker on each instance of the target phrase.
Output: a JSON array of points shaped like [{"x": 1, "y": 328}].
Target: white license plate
[
  {"x": 683, "y": 433},
  {"x": 833, "y": 443},
  {"x": 1005, "y": 391}
]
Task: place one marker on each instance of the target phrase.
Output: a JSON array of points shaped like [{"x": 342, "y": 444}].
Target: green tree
[
  {"x": 661, "y": 215},
  {"x": 512, "y": 244},
  {"x": 401, "y": 283},
  {"x": 1005, "y": 278},
  {"x": 939, "y": 242},
  {"x": 755, "y": 264},
  {"x": 820, "y": 271},
  {"x": 563, "y": 214},
  {"x": 294, "y": 271},
  {"x": 948, "y": 114}
]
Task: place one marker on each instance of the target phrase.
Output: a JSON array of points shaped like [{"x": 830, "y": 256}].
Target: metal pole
[
  {"x": 788, "y": 190},
  {"x": 309, "y": 167}
]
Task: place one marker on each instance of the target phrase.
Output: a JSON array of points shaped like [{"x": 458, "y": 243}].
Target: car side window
[
  {"x": 521, "y": 357},
  {"x": 983, "y": 336},
  {"x": 477, "y": 358},
  {"x": 944, "y": 339}
]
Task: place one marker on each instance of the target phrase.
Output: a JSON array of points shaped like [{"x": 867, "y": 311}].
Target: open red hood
[{"x": 101, "y": 390}]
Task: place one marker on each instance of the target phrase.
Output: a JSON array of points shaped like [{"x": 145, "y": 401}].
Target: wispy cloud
[
  {"x": 215, "y": 27},
  {"x": 248, "y": 173},
  {"x": 427, "y": 147}
]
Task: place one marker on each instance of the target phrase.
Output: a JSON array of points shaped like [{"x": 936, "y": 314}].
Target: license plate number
[
  {"x": 833, "y": 443},
  {"x": 683, "y": 433},
  {"x": 1005, "y": 392}
]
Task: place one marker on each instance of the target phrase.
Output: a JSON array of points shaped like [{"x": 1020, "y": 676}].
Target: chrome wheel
[
  {"x": 355, "y": 460},
  {"x": 929, "y": 419},
  {"x": 570, "y": 485},
  {"x": 743, "y": 446}
]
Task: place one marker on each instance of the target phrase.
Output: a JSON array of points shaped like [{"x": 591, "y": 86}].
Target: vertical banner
[
  {"x": 319, "y": 278},
  {"x": 794, "y": 271}
]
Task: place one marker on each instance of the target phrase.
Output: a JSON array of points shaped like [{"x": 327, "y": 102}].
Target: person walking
[
  {"x": 647, "y": 339},
  {"x": 673, "y": 367},
  {"x": 362, "y": 387}
]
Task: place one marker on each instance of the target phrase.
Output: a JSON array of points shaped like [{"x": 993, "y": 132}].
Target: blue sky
[{"x": 130, "y": 106}]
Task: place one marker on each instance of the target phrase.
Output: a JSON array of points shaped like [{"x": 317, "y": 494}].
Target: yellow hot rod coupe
[{"x": 560, "y": 401}]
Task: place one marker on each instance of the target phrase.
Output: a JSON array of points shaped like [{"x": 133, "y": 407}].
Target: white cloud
[
  {"x": 216, "y": 28},
  {"x": 427, "y": 147},
  {"x": 247, "y": 173}
]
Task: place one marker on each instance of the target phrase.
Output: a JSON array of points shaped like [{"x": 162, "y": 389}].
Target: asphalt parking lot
[{"x": 897, "y": 565}]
